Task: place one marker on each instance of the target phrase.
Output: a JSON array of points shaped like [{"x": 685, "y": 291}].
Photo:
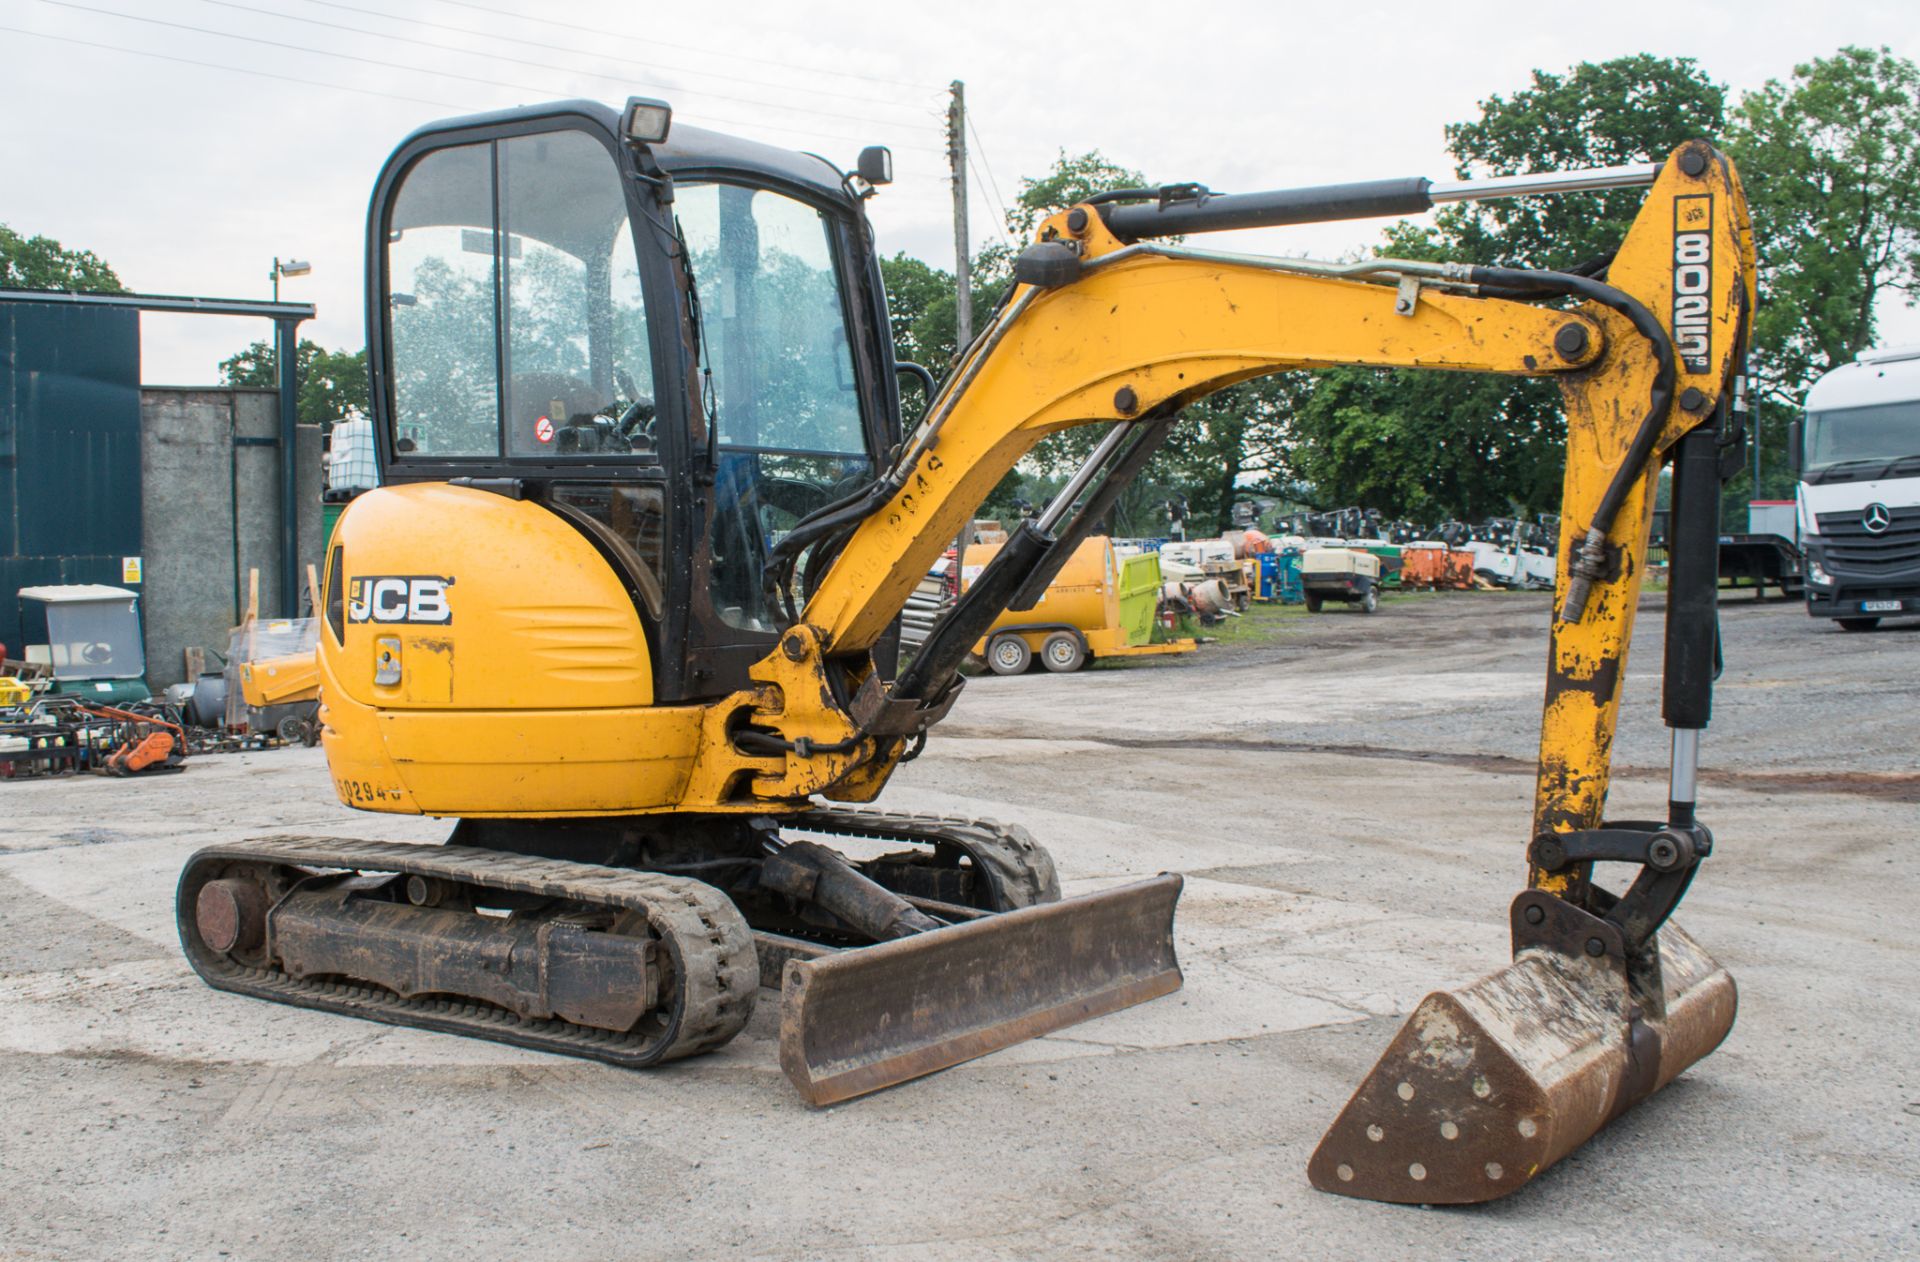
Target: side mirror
[
  {"x": 1796, "y": 439},
  {"x": 875, "y": 165}
]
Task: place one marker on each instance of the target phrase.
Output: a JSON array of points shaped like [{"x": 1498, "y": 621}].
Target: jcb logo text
[{"x": 400, "y": 598}]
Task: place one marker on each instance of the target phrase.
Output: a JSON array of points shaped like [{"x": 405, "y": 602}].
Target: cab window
[
  {"x": 784, "y": 399},
  {"x": 517, "y": 313},
  {"x": 443, "y": 303}
]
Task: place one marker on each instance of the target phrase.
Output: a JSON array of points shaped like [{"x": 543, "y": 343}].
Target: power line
[
  {"x": 214, "y": 65},
  {"x": 691, "y": 48},
  {"x": 999, "y": 201},
  {"x": 520, "y": 40},
  {"x": 999, "y": 219},
  {"x": 300, "y": 48},
  {"x": 443, "y": 74},
  {"x": 522, "y": 61}
]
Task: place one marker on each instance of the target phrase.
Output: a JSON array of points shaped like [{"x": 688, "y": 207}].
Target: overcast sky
[{"x": 190, "y": 178}]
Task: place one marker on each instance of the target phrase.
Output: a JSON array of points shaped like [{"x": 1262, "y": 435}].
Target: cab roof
[
  {"x": 1884, "y": 376},
  {"x": 687, "y": 150},
  {"x": 76, "y": 593}
]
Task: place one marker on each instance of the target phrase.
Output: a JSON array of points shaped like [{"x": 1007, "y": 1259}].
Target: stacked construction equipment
[{"x": 1429, "y": 565}]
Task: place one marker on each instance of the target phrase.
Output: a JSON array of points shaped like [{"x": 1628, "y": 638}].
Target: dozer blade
[
  {"x": 1487, "y": 1086},
  {"x": 859, "y": 1020}
]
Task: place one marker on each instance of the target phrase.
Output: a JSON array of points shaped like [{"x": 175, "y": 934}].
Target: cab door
[
  {"x": 792, "y": 410},
  {"x": 527, "y": 339}
]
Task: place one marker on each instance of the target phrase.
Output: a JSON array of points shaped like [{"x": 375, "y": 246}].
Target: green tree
[
  {"x": 43, "y": 263},
  {"x": 1428, "y": 447},
  {"x": 329, "y": 383},
  {"x": 1631, "y": 109},
  {"x": 1069, "y": 181},
  {"x": 1431, "y": 445},
  {"x": 921, "y": 304},
  {"x": 1830, "y": 161}
]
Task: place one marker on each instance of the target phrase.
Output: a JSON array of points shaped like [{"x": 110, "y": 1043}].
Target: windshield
[
  {"x": 516, "y": 304},
  {"x": 92, "y": 640},
  {"x": 1860, "y": 443},
  {"x": 775, "y": 335},
  {"x": 774, "y": 338}
]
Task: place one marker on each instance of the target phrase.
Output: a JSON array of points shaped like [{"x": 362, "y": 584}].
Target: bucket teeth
[{"x": 1485, "y": 1087}]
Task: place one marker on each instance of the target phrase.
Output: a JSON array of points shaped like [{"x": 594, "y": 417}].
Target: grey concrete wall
[{"x": 198, "y": 448}]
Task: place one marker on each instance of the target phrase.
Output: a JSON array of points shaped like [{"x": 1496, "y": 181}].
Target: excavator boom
[{"x": 1606, "y": 1002}]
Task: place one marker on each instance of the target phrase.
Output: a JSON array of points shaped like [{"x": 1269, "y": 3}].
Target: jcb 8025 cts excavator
[{"x": 623, "y": 608}]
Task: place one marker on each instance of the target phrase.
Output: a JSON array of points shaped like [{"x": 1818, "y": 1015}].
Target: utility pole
[
  {"x": 962, "y": 244},
  {"x": 962, "y": 272}
]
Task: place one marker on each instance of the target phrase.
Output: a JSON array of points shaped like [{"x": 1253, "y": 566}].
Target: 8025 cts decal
[
  {"x": 1693, "y": 281},
  {"x": 420, "y": 598}
]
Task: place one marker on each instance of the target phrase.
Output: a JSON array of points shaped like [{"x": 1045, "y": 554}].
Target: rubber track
[
  {"x": 1022, "y": 869},
  {"x": 714, "y": 954}
]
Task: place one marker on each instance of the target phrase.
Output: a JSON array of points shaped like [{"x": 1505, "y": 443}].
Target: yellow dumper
[
  {"x": 1100, "y": 604},
  {"x": 278, "y": 664}
]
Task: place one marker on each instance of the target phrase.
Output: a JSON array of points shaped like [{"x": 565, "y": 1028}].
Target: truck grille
[{"x": 1851, "y": 548}]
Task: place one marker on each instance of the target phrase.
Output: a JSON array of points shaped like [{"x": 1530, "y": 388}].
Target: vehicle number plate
[{"x": 1880, "y": 606}]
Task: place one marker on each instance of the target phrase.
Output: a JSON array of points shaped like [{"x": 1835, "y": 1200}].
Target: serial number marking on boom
[{"x": 1693, "y": 281}]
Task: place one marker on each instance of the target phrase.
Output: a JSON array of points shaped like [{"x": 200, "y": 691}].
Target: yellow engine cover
[{"x": 492, "y": 664}]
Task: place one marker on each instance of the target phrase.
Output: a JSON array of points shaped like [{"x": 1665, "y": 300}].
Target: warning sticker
[{"x": 543, "y": 430}]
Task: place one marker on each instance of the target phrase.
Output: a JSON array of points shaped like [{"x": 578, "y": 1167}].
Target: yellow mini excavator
[{"x": 625, "y": 604}]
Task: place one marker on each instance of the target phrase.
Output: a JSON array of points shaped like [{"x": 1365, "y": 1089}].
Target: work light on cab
[{"x": 645, "y": 120}]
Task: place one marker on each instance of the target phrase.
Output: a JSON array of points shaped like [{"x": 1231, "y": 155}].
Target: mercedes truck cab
[{"x": 1857, "y": 453}]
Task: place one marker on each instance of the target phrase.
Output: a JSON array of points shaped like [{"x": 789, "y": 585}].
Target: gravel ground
[{"x": 1349, "y": 798}]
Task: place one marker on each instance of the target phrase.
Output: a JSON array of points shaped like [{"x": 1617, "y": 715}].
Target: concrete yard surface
[{"x": 1349, "y": 797}]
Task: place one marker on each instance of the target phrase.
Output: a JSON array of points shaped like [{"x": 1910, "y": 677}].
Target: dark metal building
[
  {"x": 69, "y": 448},
  {"x": 70, "y": 436}
]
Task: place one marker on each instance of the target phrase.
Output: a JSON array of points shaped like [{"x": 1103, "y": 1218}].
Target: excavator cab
[{"x": 691, "y": 374}]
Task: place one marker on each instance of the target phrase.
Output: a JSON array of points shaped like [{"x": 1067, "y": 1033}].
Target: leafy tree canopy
[
  {"x": 1830, "y": 160},
  {"x": 1631, "y": 109},
  {"x": 43, "y": 263},
  {"x": 330, "y": 383}
]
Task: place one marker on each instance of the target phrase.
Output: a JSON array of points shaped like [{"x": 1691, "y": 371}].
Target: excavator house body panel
[{"x": 516, "y": 682}]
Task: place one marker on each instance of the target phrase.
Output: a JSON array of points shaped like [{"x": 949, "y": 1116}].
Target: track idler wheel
[
  {"x": 231, "y": 914},
  {"x": 1486, "y": 1086}
]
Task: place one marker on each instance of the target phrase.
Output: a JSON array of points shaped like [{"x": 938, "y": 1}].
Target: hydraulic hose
[{"x": 1588, "y": 565}]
